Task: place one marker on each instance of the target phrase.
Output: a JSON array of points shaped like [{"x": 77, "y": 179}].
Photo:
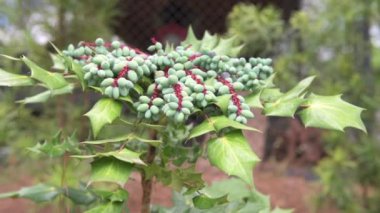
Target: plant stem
[{"x": 147, "y": 183}]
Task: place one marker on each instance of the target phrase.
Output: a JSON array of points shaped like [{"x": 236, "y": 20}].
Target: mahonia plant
[
  {"x": 173, "y": 95},
  {"x": 175, "y": 80}
]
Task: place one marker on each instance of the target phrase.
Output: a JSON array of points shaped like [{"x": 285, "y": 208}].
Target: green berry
[
  {"x": 115, "y": 92},
  {"x": 108, "y": 91},
  {"x": 132, "y": 76},
  {"x": 107, "y": 82},
  {"x": 142, "y": 107},
  {"x": 99, "y": 42}
]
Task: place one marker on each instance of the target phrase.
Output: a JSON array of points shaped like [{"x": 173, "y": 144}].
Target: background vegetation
[{"x": 339, "y": 41}]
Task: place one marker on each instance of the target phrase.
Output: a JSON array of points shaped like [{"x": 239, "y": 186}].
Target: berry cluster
[{"x": 180, "y": 80}]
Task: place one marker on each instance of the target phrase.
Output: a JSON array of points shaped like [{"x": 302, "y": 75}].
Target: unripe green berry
[
  {"x": 108, "y": 91},
  {"x": 132, "y": 76},
  {"x": 99, "y": 42},
  {"x": 115, "y": 92},
  {"x": 107, "y": 82},
  {"x": 142, "y": 107}
]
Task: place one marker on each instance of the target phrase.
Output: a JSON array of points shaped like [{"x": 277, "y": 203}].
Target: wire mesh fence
[{"x": 168, "y": 20}]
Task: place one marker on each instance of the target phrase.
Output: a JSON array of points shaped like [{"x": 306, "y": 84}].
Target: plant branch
[{"x": 147, "y": 183}]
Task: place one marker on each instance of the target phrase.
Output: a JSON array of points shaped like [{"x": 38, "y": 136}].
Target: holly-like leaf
[
  {"x": 215, "y": 124},
  {"x": 299, "y": 89},
  {"x": 206, "y": 202},
  {"x": 287, "y": 104},
  {"x": 187, "y": 178},
  {"x": 222, "y": 102},
  {"x": 44, "y": 96},
  {"x": 213, "y": 43},
  {"x": 110, "y": 207},
  {"x": 58, "y": 62},
  {"x": 127, "y": 137},
  {"x": 283, "y": 108},
  {"x": 78, "y": 70},
  {"x": 253, "y": 100},
  {"x": 104, "y": 112},
  {"x": 80, "y": 196},
  {"x": 125, "y": 155},
  {"x": 37, "y": 193},
  {"x": 109, "y": 169},
  {"x": 13, "y": 80},
  {"x": 233, "y": 155},
  {"x": 331, "y": 112},
  {"x": 51, "y": 80}
]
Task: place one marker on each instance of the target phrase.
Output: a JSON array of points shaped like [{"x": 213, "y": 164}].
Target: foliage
[
  {"x": 334, "y": 41},
  {"x": 177, "y": 82},
  {"x": 259, "y": 30}
]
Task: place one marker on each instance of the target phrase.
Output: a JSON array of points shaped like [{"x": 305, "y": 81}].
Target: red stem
[
  {"x": 196, "y": 79},
  {"x": 156, "y": 93},
  {"x": 123, "y": 72},
  {"x": 234, "y": 96},
  {"x": 177, "y": 90}
]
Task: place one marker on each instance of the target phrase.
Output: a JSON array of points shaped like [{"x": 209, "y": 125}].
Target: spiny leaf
[
  {"x": 287, "y": 104},
  {"x": 253, "y": 100},
  {"x": 331, "y": 112},
  {"x": 205, "y": 202},
  {"x": 13, "y": 80},
  {"x": 37, "y": 193},
  {"x": 51, "y": 80},
  {"x": 127, "y": 137},
  {"x": 233, "y": 155},
  {"x": 109, "y": 169},
  {"x": 110, "y": 207},
  {"x": 44, "y": 96},
  {"x": 125, "y": 155},
  {"x": 104, "y": 112},
  {"x": 215, "y": 124},
  {"x": 213, "y": 43}
]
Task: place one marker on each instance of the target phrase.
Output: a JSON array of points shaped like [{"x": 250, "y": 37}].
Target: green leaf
[
  {"x": 235, "y": 188},
  {"x": 125, "y": 155},
  {"x": 58, "y": 62},
  {"x": 253, "y": 100},
  {"x": 215, "y": 124},
  {"x": 331, "y": 112},
  {"x": 127, "y": 137},
  {"x": 44, "y": 96},
  {"x": 205, "y": 202},
  {"x": 233, "y": 155},
  {"x": 79, "y": 196},
  {"x": 37, "y": 193},
  {"x": 287, "y": 104},
  {"x": 40, "y": 192},
  {"x": 51, "y": 80},
  {"x": 270, "y": 95},
  {"x": 13, "y": 80},
  {"x": 104, "y": 112},
  {"x": 110, "y": 207},
  {"x": 119, "y": 195},
  {"x": 283, "y": 108},
  {"x": 222, "y": 102},
  {"x": 299, "y": 89},
  {"x": 109, "y": 169},
  {"x": 186, "y": 177},
  {"x": 221, "y": 46},
  {"x": 10, "y": 57},
  {"x": 78, "y": 70},
  {"x": 142, "y": 124}
]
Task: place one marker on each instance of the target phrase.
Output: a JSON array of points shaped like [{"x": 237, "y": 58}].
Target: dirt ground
[{"x": 285, "y": 191}]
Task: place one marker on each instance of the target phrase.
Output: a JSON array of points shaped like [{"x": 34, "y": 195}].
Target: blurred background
[{"x": 307, "y": 169}]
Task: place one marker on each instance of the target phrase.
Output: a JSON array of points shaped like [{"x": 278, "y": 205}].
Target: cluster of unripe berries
[{"x": 175, "y": 82}]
